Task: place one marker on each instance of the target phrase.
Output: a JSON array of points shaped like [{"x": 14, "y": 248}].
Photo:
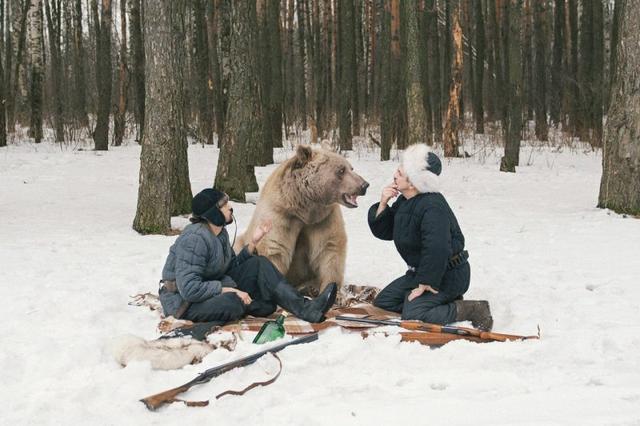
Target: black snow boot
[
  {"x": 476, "y": 311},
  {"x": 309, "y": 310}
]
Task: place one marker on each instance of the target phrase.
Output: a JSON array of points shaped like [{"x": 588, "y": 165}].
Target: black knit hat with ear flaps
[{"x": 206, "y": 205}]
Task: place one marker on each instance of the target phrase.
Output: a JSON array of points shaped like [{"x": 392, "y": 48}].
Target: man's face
[
  {"x": 401, "y": 180},
  {"x": 227, "y": 211}
]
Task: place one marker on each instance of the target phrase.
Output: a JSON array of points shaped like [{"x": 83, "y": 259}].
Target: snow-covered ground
[{"x": 541, "y": 252}]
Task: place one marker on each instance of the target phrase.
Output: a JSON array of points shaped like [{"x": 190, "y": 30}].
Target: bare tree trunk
[
  {"x": 436, "y": 66},
  {"x": 390, "y": 84},
  {"x": 103, "y": 73},
  {"x": 557, "y": 87},
  {"x": 527, "y": 60},
  {"x": 37, "y": 68},
  {"x": 263, "y": 55},
  {"x": 540, "y": 61},
  {"x": 301, "y": 90},
  {"x": 273, "y": 102},
  {"x": 416, "y": 113},
  {"x": 371, "y": 95},
  {"x": 119, "y": 118},
  {"x": 468, "y": 76},
  {"x": 181, "y": 195},
  {"x": 499, "y": 54},
  {"x": 478, "y": 109},
  {"x": 453, "y": 120},
  {"x": 574, "y": 91},
  {"x": 513, "y": 71},
  {"x": 53, "y": 12},
  {"x": 620, "y": 184},
  {"x": 215, "y": 77},
  {"x": 358, "y": 72},
  {"x": 201, "y": 58},
  {"x": 448, "y": 54},
  {"x": 317, "y": 63},
  {"x": 3, "y": 99},
  {"x": 79, "y": 53},
  {"x": 16, "y": 97},
  {"x": 309, "y": 74},
  {"x": 347, "y": 68},
  {"x": 243, "y": 129},
  {"x": 289, "y": 66},
  {"x": 224, "y": 23},
  {"x": 585, "y": 70},
  {"x": 137, "y": 63},
  {"x": 164, "y": 145},
  {"x": 613, "y": 59},
  {"x": 597, "y": 77}
]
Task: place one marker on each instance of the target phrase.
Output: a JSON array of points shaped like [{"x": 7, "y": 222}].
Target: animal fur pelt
[{"x": 167, "y": 354}]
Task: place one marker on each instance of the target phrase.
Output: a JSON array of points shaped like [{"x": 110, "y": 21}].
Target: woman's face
[
  {"x": 227, "y": 211},
  {"x": 401, "y": 180}
]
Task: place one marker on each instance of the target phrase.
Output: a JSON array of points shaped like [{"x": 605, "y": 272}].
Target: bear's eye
[{"x": 341, "y": 170}]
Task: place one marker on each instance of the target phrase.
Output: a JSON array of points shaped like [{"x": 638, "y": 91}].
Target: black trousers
[
  {"x": 429, "y": 307},
  {"x": 256, "y": 276}
]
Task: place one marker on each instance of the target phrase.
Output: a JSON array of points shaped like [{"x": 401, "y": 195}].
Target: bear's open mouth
[{"x": 350, "y": 200}]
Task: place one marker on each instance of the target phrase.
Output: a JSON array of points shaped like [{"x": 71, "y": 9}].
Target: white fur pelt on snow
[{"x": 163, "y": 354}]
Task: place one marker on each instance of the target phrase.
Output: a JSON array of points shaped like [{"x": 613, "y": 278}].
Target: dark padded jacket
[
  {"x": 425, "y": 232},
  {"x": 198, "y": 262}
]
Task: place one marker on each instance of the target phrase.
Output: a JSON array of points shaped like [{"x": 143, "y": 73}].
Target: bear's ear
[{"x": 303, "y": 156}]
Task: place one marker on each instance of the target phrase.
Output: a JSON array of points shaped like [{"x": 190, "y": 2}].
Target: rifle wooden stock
[
  {"x": 426, "y": 337},
  {"x": 461, "y": 332},
  {"x": 154, "y": 402}
]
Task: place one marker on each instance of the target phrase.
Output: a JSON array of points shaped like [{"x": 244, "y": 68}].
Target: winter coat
[
  {"x": 198, "y": 262},
  {"x": 425, "y": 232}
]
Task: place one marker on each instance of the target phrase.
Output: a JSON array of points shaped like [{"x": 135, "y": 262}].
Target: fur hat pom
[{"x": 422, "y": 167}]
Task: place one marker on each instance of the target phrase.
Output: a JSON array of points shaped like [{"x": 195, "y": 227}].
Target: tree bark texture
[
  {"x": 540, "y": 66},
  {"x": 346, "y": 48},
  {"x": 103, "y": 74},
  {"x": 557, "y": 68},
  {"x": 243, "y": 129},
  {"x": 415, "y": 104},
  {"x": 119, "y": 118},
  {"x": 137, "y": 63},
  {"x": 513, "y": 70},
  {"x": 36, "y": 53},
  {"x": 453, "y": 118},
  {"x": 54, "y": 13},
  {"x": 620, "y": 184},
  {"x": 164, "y": 187}
]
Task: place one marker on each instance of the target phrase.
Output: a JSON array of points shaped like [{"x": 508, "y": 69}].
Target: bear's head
[{"x": 325, "y": 177}]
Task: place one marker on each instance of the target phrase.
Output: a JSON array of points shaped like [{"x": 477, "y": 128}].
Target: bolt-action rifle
[
  {"x": 458, "y": 332},
  {"x": 154, "y": 402}
]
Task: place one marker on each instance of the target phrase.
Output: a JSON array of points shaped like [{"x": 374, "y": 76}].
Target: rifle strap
[
  {"x": 234, "y": 392},
  {"x": 255, "y": 384}
]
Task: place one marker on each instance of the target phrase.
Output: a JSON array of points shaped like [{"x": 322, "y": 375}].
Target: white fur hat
[{"x": 422, "y": 167}]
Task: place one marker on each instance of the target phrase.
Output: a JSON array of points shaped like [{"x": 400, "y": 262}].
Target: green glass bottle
[{"x": 271, "y": 330}]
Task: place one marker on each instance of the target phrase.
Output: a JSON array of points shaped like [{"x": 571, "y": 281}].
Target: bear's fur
[{"x": 302, "y": 198}]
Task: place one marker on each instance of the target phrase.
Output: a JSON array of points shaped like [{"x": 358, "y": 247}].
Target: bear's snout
[{"x": 363, "y": 188}]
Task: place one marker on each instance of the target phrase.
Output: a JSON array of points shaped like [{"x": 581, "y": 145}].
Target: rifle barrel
[{"x": 368, "y": 320}]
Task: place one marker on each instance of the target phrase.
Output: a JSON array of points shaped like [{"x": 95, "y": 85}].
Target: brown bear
[{"x": 302, "y": 198}]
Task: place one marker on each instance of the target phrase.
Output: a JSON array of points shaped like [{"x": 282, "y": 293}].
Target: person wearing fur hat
[
  {"x": 204, "y": 280},
  {"x": 427, "y": 235}
]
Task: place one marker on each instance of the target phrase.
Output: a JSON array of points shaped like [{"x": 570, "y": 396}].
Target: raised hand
[
  {"x": 389, "y": 192},
  {"x": 261, "y": 230}
]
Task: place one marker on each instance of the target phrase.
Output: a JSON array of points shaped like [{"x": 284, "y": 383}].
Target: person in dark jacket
[
  {"x": 204, "y": 280},
  {"x": 427, "y": 235}
]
